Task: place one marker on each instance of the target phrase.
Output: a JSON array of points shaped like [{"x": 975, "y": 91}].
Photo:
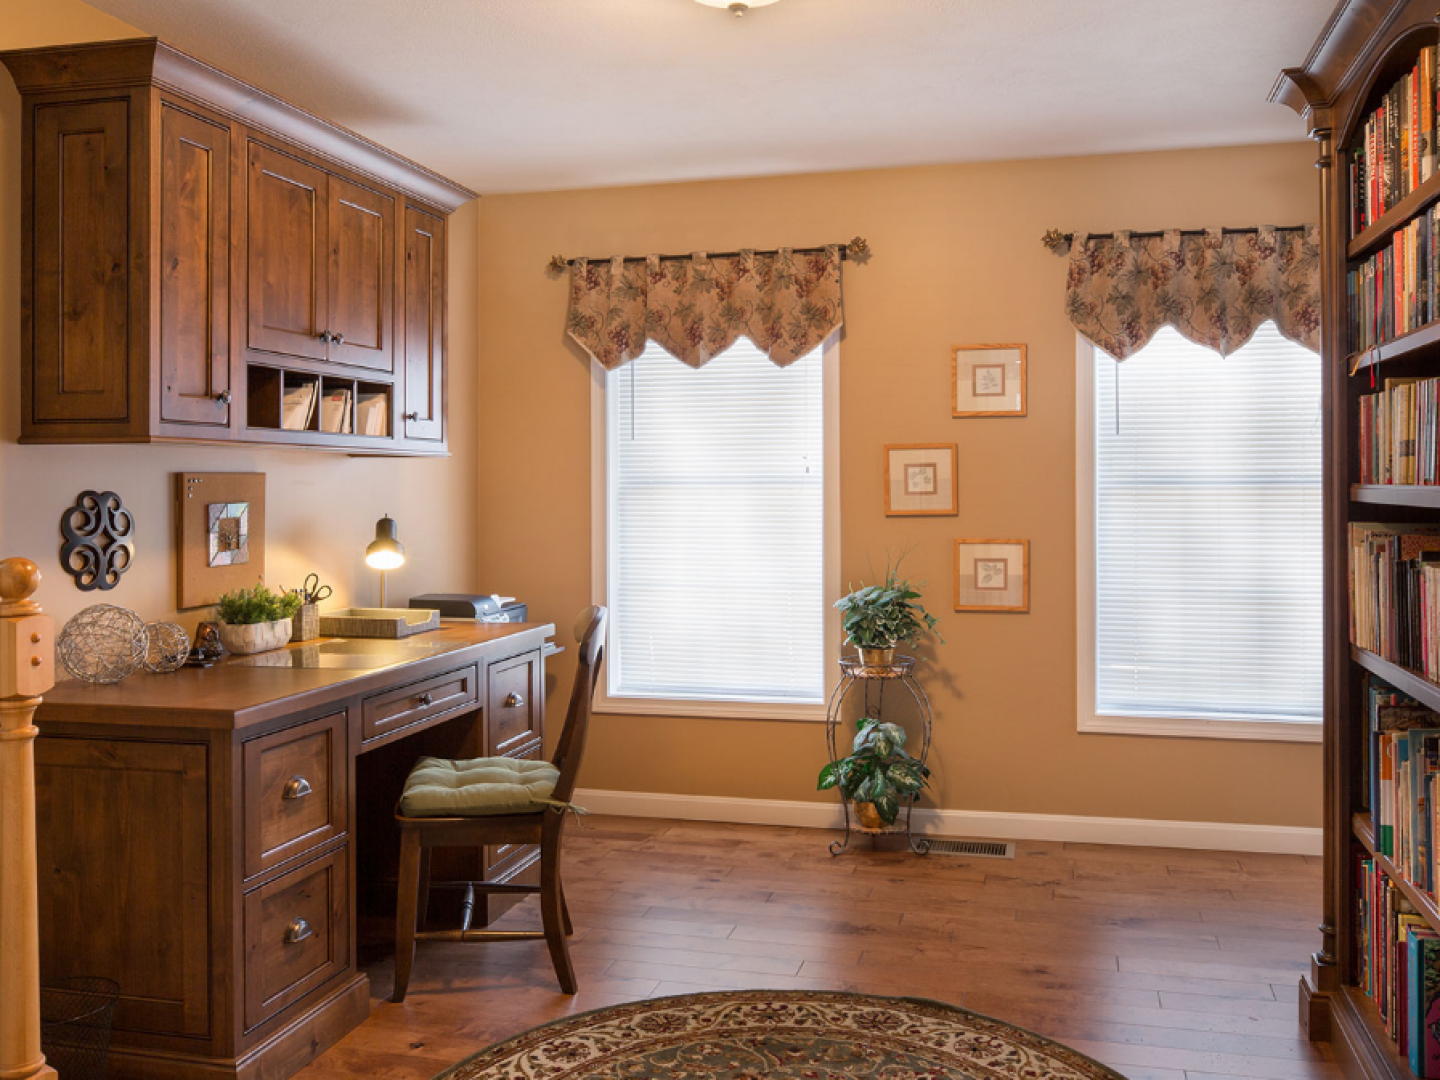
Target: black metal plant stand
[{"x": 874, "y": 680}]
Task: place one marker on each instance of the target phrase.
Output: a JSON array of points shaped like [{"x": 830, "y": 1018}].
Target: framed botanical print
[
  {"x": 992, "y": 575},
  {"x": 920, "y": 480},
  {"x": 987, "y": 380}
]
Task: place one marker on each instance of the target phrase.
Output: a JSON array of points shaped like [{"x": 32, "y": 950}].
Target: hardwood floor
[{"x": 1165, "y": 964}]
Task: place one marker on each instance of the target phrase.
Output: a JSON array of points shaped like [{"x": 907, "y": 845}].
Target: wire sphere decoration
[
  {"x": 103, "y": 644},
  {"x": 166, "y": 647}
]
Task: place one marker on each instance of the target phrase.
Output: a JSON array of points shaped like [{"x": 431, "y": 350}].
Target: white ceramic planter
[{"x": 255, "y": 637}]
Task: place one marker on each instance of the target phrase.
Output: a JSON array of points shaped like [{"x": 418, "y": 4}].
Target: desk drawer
[
  {"x": 294, "y": 791},
  {"x": 419, "y": 701},
  {"x": 297, "y": 934},
  {"x": 514, "y": 715}
]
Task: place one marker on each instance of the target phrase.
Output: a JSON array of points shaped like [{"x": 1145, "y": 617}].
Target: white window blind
[
  {"x": 715, "y": 528},
  {"x": 1208, "y": 531}
]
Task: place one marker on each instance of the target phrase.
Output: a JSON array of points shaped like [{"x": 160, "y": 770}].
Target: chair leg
[
  {"x": 407, "y": 902},
  {"x": 565, "y": 912},
  {"x": 422, "y": 914},
  {"x": 551, "y": 906}
]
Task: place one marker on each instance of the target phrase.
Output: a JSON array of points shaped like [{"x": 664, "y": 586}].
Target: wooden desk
[{"x": 196, "y": 831}]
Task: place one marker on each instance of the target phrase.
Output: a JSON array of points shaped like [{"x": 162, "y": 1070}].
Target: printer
[{"x": 492, "y": 608}]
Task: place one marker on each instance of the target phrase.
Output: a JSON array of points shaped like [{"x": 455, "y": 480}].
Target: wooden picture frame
[
  {"x": 922, "y": 480},
  {"x": 204, "y": 573},
  {"x": 987, "y": 380},
  {"x": 992, "y": 575}
]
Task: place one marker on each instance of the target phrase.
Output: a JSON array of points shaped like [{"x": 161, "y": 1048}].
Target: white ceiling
[{"x": 516, "y": 95}]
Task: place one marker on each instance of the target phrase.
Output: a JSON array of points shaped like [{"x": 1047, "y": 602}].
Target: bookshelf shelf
[
  {"x": 1401, "y": 348},
  {"x": 1369, "y": 241},
  {"x": 1403, "y": 679},
  {"x": 1424, "y": 904},
  {"x": 1426, "y": 495}
]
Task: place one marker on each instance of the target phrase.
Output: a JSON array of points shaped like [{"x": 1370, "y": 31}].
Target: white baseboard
[{"x": 1135, "y": 832}]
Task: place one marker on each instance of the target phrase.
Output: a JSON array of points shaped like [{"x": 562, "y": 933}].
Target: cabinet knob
[
  {"x": 337, "y": 339},
  {"x": 297, "y": 787},
  {"x": 298, "y": 931},
  {"x": 424, "y": 699},
  {"x": 411, "y": 416},
  {"x": 326, "y": 336},
  {"x": 514, "y": 701},
  {"x": 223, "y": 397}
]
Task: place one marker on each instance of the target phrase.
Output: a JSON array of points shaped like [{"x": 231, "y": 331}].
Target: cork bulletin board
[{"x": 221, "y": 523}]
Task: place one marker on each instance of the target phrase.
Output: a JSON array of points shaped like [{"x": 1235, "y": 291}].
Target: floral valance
[
  {"x": 1214, "y": 287},
  {"x": 786, "y": 302}
]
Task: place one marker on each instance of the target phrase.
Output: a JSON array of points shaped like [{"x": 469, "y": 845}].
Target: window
[
  {"x": 713, "y": 488},
  {"x": 1199, "y": 539}
]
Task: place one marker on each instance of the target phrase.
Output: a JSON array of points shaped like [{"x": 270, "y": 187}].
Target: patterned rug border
[{"x": 1072, "y": 1057}]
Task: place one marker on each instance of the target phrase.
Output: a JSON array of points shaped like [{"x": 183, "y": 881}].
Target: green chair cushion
[{"x": 437, "y": 787}]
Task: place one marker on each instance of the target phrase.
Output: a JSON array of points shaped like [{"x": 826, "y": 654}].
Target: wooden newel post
[{"x": 27, "y": 670}]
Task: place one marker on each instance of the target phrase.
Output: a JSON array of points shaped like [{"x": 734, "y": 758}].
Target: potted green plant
[
  {"x": 876, "y": 618},
  {"x": 877, "y": 774},
  {"x": 256, "y": 620}
]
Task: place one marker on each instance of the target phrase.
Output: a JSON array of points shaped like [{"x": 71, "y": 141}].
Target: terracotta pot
[
  {"x": 868, "y": 816},
  {"x": 255, "y": 637},
  {"x": 877, "y": 658}
]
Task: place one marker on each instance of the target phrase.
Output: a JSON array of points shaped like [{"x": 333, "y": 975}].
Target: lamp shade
[{"x": 385, "y": 552}]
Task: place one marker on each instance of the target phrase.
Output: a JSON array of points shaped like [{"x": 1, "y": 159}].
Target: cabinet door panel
[
  {"x": 82, "y": 262},
  {"x": 285, "y": 250},
  {"x": 424, "y": 328},
  {"x": 362, "y": 271},
  {"x": 123, "y": 840},
  {"x": 194, "y": 269}
]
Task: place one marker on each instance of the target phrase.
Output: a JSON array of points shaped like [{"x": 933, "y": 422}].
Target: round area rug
[{"x": 780, "y": 1034}]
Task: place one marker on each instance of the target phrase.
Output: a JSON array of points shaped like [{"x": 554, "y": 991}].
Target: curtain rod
[
  {"x": 1054, "y": 238},
  {"x": 857, "y": 248}
]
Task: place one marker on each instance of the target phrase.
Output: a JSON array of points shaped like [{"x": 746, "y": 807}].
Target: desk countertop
[{"x": 242, "y": 690}]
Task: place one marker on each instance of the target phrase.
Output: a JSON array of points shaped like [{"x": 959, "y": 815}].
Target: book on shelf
[
  {"x": 1397, "y": 289},
  {"x": 1398, "y": 965},
  {"x": 372, "y": 412},
  {"x": 335, "y": 411},
  {"x": 298, "y": 408},
  {"x": 1396, "y": 150},
  {"x": 1394, "y": 579},
  {"x": 1398, "y": 432}
]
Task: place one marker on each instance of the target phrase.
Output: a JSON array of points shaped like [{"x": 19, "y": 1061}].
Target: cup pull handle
[
  {"x": 514, "y": 701},
  {"x": 297, "y": 931},
  {"x": 297, "y": 787}
]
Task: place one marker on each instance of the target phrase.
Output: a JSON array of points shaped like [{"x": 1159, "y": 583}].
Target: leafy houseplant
[
  {"x": 256, "y": 620},
  {"x": 876, "y": 618},
  {"x": 877, "y": 774}
]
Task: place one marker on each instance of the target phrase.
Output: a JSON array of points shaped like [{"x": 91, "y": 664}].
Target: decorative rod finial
[
  {"x": 858, "y": 247},
  {"x": 558, "y": 264},
  {"x": 19, "y": 578},
  {"x": 1054, "y": 239}
]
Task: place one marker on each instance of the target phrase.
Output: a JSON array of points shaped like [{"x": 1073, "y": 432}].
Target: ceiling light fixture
[{"x": 737, "y": 7}]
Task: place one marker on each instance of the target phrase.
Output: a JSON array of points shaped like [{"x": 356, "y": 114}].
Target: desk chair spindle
[{"x": 454, "y": 804}]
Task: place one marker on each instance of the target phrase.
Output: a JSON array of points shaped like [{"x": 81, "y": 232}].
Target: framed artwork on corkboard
[
  {"x": 221, "y": 526},
  {"x": 987, "y": 380},
  {"x": 992, "y": 575},
  {"x": 920, "y": 480}
]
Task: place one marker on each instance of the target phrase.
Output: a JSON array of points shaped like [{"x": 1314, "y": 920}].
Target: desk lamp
[{"x": 384, "y": 552}]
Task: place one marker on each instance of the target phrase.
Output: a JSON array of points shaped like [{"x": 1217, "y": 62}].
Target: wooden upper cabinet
[
  {"x": 192, "y": 247},
  {"x": 424, "y": 329},
  {"x": 194, "y": 269},
  {"x": 288, "y": 303}
]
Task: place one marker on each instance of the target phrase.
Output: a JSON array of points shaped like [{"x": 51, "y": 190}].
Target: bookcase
[{"x": 1368, "y": 93}]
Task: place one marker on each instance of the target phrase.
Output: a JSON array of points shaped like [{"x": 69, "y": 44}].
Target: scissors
[{"x": 313, "y": 591}]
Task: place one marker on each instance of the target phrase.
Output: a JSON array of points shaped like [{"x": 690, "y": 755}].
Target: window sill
[
  {"x": 708, "y": 710},
  {"x": 1296, "y": 731}
]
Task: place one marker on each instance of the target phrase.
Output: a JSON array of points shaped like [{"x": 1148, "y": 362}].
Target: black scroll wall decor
[{"x": 98, "y": 547}]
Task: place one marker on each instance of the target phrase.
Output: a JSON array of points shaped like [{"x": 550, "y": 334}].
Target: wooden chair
[{"x": 544, "y": 826}]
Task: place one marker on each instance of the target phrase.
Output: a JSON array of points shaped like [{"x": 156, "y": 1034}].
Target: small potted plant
[
  {"x": 876, "y": 775},
  {"x": 876, "y": 618},
  {"x": 256, "y": 620}
]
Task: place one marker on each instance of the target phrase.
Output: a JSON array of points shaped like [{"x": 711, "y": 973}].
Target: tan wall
[
  {"x": 957, "y": 259},
  {"x": 321, "y": 507}
]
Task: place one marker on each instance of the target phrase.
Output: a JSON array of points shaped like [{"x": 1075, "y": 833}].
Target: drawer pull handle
[
  {"x": 297, "y": 787},
  {"x": 298, "y": 931},
  {"x": 514, "y": 701},
  {"x": 424, "y": 699}
]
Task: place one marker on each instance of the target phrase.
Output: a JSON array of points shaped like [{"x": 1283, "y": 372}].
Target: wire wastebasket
[{"x": 75, "y": 1018}]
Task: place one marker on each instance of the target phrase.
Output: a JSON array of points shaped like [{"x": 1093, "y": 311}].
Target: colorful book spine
[{"x": 1396, "y": 150}]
